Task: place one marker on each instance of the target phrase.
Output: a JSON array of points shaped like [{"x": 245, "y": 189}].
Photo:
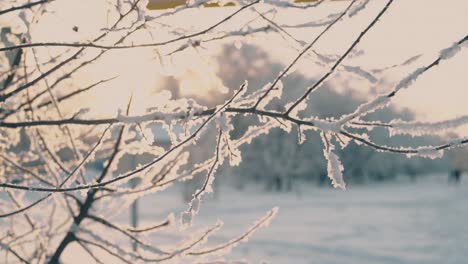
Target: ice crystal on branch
[
  {"x": 334, "y": 166},
  {"x": 74, "y": 155}
]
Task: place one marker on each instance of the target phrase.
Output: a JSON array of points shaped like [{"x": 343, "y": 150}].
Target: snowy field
[
  {"x": 425, "y": 222},
  {"x": 401, "y": 222}
]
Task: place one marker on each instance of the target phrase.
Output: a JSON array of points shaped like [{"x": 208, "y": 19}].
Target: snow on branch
[
  {"x": 312, "y": 88},
  {"x": 43, "y": 120},
  {"x": 334, "y": 166},
  {"x": 398, "y": 127},
  {"x": 142, "y": 45},
  {"x": 424, "y": 151},
  {"x": 384, "y": 99},
  {"x": 228, "y": 246},
  {"x": 24, "y": 6},
  {"x": 194, "y": 205}
]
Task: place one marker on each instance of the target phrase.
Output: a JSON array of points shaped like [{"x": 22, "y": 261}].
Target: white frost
[
  {"x": 423, "y": 128},
  {"x": 451, "y": 51},
  {"x": 334, "y": 166},
  {"x": 354, "y": 11}
]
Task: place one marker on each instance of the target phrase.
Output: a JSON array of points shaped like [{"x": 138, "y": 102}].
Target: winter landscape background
[
  {"x": 420, "y": 222},
  {"x": 396, "y": 208}
]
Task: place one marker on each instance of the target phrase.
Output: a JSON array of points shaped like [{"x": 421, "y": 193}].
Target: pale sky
[{"x": 409, "y": 28}]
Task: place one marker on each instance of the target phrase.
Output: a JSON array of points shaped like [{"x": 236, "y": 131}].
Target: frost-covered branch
[
  {"x": 383, "y": 100},
  {"x": 50, "y": 131},
  {"x": 24, "y": 6},
  {"x": 144, "y": 45},
  {"x": 9, "y": 249},
  {"x": 296, "y": 59},
  {"x": 338, "y": 62},
  {"x": 263, "y": 222},
  {"x": 398, "y": 127}
]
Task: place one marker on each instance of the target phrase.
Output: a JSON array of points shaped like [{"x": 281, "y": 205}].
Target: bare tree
[{"x": 49, "y": 140}]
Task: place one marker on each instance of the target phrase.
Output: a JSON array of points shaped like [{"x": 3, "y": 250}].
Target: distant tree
[{"x": 51, "y": 130}]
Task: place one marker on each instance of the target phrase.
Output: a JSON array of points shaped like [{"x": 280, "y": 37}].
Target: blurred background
[{"x": 396, "y": 209}]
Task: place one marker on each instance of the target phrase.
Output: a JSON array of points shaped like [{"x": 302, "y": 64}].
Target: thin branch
[
  {"x": 21, "y": 168},
  {"x": 70, "y": 73},
  {"x": 5, "y": 96},
  {"x": 126, "y": 233},
  {"x": 214, "y": 165},
  {"x": 338, "y": 62},
  {"x": 382, "y": 100},
  {"x": 104, "y": 248},
  {"x": 26, "y": 207},
  {"x": 61, "y": 185},
  {"x": 403, "y": 150},
  {"x": 232, "y": 242},
  {"x": 25, "y": 6},
  {"x": 90, "y": 253},
  {"x": 8, "y": 248},
  {"x": 70, "y": 95},
  {"x": 138, "y": 170},
  {"x": 157, "y": 44},
  {"x": 150, "y": 228},
  {"x": 304, "y": 51}
]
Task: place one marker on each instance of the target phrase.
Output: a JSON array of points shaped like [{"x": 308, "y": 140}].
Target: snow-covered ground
[
  {"x": 422, "y": 222},
  {"x": 425, "y": 222}
]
